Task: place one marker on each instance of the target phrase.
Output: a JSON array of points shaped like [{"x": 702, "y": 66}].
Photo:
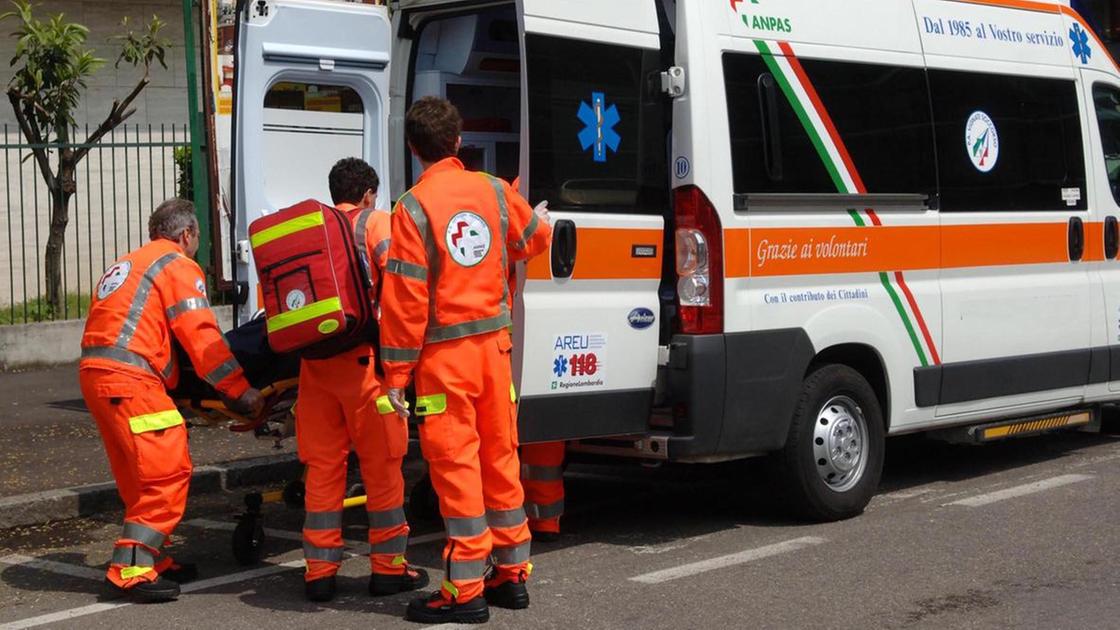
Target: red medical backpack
[{"x": 316, "y": 295}]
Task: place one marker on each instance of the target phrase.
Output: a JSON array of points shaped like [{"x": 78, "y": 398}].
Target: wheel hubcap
[{"x": 839, "y": 438}]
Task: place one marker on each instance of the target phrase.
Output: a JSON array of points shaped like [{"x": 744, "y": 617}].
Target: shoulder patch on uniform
[
  {"x": 113, "y": 278},
  {"x": 201, "y": 286},
  {"x": 468, "y": 238}
]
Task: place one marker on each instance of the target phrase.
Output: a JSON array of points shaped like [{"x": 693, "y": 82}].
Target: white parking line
[
  {"x": 62, "y": 568},
  {"x": 750, "y": 555},
  {"x": 1018, "y": 491}
]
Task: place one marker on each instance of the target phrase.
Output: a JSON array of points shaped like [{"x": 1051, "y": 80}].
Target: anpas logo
[
  {"x": 981, "y": 140},
  {"x": 468, "y": 238},
  {"x": 758, "y": 21},
  {"x": 641, "y": 318}
]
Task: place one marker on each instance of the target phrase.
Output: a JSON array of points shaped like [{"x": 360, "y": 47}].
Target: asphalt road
[{"x": 1019, "y": 534}]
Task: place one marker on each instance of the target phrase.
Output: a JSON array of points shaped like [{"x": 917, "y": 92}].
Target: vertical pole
[{"x": 199, "y": 149}]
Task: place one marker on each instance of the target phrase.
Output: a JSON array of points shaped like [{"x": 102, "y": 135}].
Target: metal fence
[{"x": 122, "y": 179}]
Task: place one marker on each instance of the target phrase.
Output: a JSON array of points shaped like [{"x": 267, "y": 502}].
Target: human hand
[
  {"x": 396, "y": 398},
  {"x": 249, "y": 404},
  {"x": 541, "y": 210}
]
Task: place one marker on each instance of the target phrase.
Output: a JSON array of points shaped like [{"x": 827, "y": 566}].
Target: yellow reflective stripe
[
  {"x": 155, "y": 421},
  {"x": 512, "y": 393},
  {"x": 397, "y": 561},
  {"x": 128, "y": 573},
  {"x": 307, "y": 313},
  {"x": 287, "y": 228},
  {"x": 431, "y": 405},
  {"x": 384, "y": 406},
  {"x": 451, "y": 589}
]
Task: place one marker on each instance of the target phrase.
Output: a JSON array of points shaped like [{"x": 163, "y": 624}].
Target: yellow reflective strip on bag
[
  {"x": 431, "y": 405},
  {"x": 384, "y": 406},
  {"x": 307, "y": 313},
  {"x": 128, "y": 573},
  {"x": 512, "y": 393},
  {"x": 451, "y": 588},
  {"x": 155, "y": 421},
  {"x": 287, "y": 228}
]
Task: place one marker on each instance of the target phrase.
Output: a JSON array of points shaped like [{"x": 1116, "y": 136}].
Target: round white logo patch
[
  {"x": 113, "y": 279},
  {"x": 200, "y": 286},
  {"x": 295, "y": 299},
  {"x": 981, "y": 140},
  {"x": 468, "y": 239}
]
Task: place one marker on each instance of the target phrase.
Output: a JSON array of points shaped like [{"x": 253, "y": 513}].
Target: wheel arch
[{"x": 864, "y": 359}]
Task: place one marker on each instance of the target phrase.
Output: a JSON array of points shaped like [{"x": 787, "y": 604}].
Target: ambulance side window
[
  {"x": 1007, "y": 143},
  {"x": 880, "y": 113},
  {"x": 1107, "y": 100},
  {"x": 597, "y": 139}
]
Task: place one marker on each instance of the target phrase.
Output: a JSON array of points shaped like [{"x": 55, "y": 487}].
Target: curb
[{"x": 38, "y": 508}]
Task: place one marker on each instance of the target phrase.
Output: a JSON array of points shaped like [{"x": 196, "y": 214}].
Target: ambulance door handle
[
  {"x": 1076, "y": 239},
  {"x": 563, "y": 249},
  {"x": 1111, "y": 238}
]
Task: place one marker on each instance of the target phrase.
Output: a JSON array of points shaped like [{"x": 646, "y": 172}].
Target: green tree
[{"x": 52, "y": 67}]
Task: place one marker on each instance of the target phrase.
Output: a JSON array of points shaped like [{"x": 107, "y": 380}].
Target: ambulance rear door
[
  {"x": 593, "y": 143},
  {"x": 311, "y": 87}
]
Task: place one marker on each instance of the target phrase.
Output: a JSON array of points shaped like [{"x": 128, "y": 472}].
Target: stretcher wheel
[
  {"x": 423, "y": 504},
  {"x": 294, "y": 494},
  {"x": 248, "y": 536}
]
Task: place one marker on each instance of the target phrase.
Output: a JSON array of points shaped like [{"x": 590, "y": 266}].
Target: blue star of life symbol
[
  {"x": 599, "y": 130},
  {"x": 1081, "y": 48},
  {"x": 560, "y": 366}
]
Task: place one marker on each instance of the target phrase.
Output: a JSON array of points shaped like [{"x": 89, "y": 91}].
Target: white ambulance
[{"x": 782, "y": 227}]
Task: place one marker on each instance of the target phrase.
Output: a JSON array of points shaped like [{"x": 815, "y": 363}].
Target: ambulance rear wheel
[{"x": 833, "y": 457}]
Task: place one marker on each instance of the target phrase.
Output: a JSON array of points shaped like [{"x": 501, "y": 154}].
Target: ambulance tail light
[{"x": 699, "y": 255}]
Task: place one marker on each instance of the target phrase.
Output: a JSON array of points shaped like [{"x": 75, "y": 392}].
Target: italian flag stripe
[{"x": 810, "y": 110}]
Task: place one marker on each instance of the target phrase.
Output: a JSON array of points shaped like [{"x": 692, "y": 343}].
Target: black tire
[
  {"x": 248, "y": 540},
  {"x": 801, "y": 468}
]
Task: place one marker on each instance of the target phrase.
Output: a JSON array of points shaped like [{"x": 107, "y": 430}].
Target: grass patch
[{"x": 39, "y": 311}]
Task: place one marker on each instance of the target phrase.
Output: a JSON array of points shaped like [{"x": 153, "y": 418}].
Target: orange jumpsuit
[
  {"x": 338, "y": 408},
  {"x": 146, "y": 299},
  {"x": 542, "y": 476},
  {"x": 445, "y": 315}
]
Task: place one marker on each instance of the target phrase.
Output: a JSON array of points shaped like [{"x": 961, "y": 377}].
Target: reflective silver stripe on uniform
[
  {"x": 503, "y": 215},
  {"x": 466, "y": 527},
  {"x": 505, "y": 518},
  {"x": 541, "y": 473},
  {"x": 143, "y": 534},
  {"x": 552, "y": 510},
  {"x": 169, "y": 370},
  {"x": 466, "y": 569},
  {"x": 311, "y": 552},
  {"x": 406, "y": 269},
  {"x": 380, "y": 249},
  {"x": 505, "y": 556},
  {"x": 218, "y": 374},
  {"x": 466, "y": 329},
  {"x": 120, "y": 355},
  {"x": 395, "y": 545},
  {"x": 386, "y": 518},
  {"x": 322, "y": 520},
  {"x": 424, "y": 227},
  {"x": 188, "y": 305},
  {"x": 400, "y": 354},
  {"x": 140, "y": 298},
  {"x": 133, "y": 556},
  {"x": 360, "y": 237},
  {"x": 528, "y": 233}
]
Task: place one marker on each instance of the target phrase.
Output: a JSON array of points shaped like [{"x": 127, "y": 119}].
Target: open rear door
[
  {"x": 594, "y": 145},
  {"x": 312, "y": 87}
]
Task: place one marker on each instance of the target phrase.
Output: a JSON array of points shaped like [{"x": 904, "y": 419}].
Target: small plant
[{"x": 184, "y": 181}]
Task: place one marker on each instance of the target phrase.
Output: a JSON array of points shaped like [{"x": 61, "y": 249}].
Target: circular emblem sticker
[
  {"x": 113, "y": 279},
  {"x": 295, "y": 300},
  {"x": 200, "y": 286},
  {"x": 981, "y": 140},
  {"x": 468, "y": 238}
]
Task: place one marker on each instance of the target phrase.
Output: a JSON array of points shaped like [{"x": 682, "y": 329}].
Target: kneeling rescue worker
[
  {"x": 445, "y": 316},
  {"x": 339, "y": 407},
  {"x": 148, "y": 298}
]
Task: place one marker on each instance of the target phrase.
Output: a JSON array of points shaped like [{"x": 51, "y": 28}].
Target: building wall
[{"x": 162, "y": 102}]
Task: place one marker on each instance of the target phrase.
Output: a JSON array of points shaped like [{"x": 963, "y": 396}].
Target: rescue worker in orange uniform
[
  {"x": 445, "y": 319},
  {"x": 542, "y": 476},
  {"x": 147, "y": 299},
  {"x": 339, "y": 408}
]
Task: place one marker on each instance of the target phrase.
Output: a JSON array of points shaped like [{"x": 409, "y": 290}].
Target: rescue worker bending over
[
  {"x": 338, "y": 407},
  {"x": 145, "y": 300},
  {"x": 445, "y": 316}
]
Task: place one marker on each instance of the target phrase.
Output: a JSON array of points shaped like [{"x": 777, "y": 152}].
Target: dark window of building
[
  {"x": 597, "y": 133},
  {"x": 1107, "y": 99},
  {"x": 1007, "y": 143},
  {"x": 881, "y": 114}
]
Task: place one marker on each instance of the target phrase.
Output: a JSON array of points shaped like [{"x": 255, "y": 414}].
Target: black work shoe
[
  {"x": 160, "y": 590},
  {"x": 435, "y": 609},
  {"x": 181, "y": 573},
  {"x": 410, "y": 580},
  {"x": 511, "y": 595},
  {"x": 320, "y": 590}
]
